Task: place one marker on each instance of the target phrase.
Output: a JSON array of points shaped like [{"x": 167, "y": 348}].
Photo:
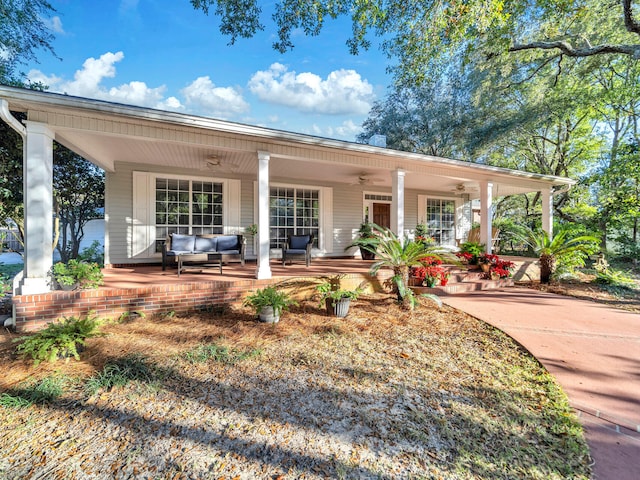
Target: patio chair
[
  {"x": 474, "y": 236},
  {"x": 297, "y": 246}
]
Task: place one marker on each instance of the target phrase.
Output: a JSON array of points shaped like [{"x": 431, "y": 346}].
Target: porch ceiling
[{"x": 107, "y": 133}]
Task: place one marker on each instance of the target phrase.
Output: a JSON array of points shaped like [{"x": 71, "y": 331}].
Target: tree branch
[
  {"x": 571, "y": 51},
  {"x": 632, "y": 25}
]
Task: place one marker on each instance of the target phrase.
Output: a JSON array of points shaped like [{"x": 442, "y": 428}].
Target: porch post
[
  {"x": 38, "y": 208},
  {"x": 397, "y": 202},
  {"x": 486, "y": 214},
  {"x": 263, "y": 270},
  {"x": 547, "y": 211}
]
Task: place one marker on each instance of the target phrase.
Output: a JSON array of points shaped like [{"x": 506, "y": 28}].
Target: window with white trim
[
  {"x": 187, "y": 206},
  {"x": 441, "y": 220},
  {"x": 293, "y": 211}
]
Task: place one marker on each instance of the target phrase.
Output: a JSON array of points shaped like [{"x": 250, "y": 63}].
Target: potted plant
[
  {"x": 421, "y": 235},
  {"x": 366, "y": 241},
  {"x": 470, "y": 251},
  {"x": 77, "y": 274},
  {"x": 269, "y": 303},
  {"x": 336, "y": 300}
]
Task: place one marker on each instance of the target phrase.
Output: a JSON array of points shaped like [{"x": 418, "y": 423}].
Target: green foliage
[
  {"x": 269, "y": 297},
  {"x": 615, "y": 278},
  {"x": 332, "y": 290},
  {"x": 563, "y": 247},
  {"x": 94, "y": 253},
  {"x": 218, "y": 353},
  {"x": 474, "y": 249},
  {"x": 41, "y": 391},
  {"x": 400, "y": 255},
  {"x": 120, "y": 372},
  {"x": 23, "y": 30},
  {"x": 59, "y": 339},
  {"x": 76, "y": 272}
]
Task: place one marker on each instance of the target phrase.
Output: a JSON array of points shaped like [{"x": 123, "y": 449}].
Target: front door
[{"x": 382, "y": 214}]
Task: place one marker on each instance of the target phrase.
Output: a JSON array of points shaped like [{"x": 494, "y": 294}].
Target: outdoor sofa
[{"x": 205, "y": 248}]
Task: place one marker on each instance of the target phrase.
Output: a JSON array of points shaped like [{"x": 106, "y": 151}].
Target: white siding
[{"x": 342, "y": 212}]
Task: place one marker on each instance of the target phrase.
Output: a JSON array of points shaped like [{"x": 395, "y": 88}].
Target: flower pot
[
  {"x": 340, "y": 309},
  {"x": 268, "y": 315},
  {"x": 67, "y": 288},
  {"x": 485, "y": 267},
  {"x": 366, "y": 254}
]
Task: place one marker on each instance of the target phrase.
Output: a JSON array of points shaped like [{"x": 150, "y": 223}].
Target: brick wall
[{"x": 35, "y": 311}]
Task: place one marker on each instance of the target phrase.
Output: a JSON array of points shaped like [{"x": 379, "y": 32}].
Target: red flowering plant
[
  {"x": 499, "y": 268},
  {"x": 465, "y": 257},
  {"x": 431, "y": 272}
]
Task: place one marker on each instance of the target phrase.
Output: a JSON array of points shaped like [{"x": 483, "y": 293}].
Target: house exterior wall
[{"x": 343, "y": 219}]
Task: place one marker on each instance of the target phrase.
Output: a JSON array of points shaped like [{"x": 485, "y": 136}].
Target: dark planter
[
  {"x": 340, "y": 309},
  {"x": 366, "y": 254}
]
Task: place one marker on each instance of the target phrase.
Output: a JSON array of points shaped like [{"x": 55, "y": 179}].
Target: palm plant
[
  {"x": 563, "y": 244},
  {"x": 400, "y": 255}
]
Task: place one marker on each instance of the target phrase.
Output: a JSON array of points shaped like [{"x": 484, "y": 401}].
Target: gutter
[{"x": 13, "y": 122}]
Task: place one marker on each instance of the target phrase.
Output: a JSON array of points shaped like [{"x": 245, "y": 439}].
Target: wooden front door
[{"x": 382, "y": 214}]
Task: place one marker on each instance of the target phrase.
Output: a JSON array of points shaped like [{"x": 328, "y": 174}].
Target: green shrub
[
  {"x": 59, "y": 339},
  {"x": 217, "y": 353},
  {"x": 118, "y": 373},
  {"x": 77, "y": 272},
  {"x": 614, "y": 278},
  {"x": 40, "y": 391},
  {"x": 94, "y": 253}
]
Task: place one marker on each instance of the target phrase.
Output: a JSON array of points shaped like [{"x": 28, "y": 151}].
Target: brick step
[{"x": 465, "y": 287}]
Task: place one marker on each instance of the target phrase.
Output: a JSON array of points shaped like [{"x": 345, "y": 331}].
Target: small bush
[
  {"x": 59, "y": 339},
  {"x": 43, "y": 391},
  {"x": 77, "y": 272},
  {"x": 118, "y": 373},
  {"x": 614, "y": 278},
  {"x": 217, "y": 353},
  {"x": 94, "y": 253}
]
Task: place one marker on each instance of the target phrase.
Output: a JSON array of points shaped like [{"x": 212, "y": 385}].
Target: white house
[{"x": 168, "y": 172}]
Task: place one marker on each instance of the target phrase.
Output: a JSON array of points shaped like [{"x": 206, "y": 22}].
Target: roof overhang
[{"x": 107, "y": 133}]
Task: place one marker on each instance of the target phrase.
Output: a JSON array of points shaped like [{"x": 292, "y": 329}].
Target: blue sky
[{"x": 164, "y": 54}]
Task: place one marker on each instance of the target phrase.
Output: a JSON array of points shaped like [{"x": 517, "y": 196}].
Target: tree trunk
[{"x": 547, "y": 264}]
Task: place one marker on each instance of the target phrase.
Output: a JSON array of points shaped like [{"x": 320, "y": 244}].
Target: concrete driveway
[{"x": 594, "y": 353}]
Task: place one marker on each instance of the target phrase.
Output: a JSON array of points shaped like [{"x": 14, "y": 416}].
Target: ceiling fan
[
  {"x": 461, "y": 188},
  {"x": 213, "y": 162},
  {"x": 365, "y": 178}
]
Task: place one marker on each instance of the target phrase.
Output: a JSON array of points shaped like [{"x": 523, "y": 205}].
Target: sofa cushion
[
  {"x": 182, "y": 243},
  {"x": 298, "y": 242},
  {"x": 206, "y": 244},
  {"x": 227, "y": 242}
]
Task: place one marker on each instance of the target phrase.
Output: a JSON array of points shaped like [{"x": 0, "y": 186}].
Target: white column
[
  {"x": 263, "y": 270},
  {"x": 547, "y": 211},
  {"x": 486, "y": 214},
  {"x": 397, "y": 202},
  {"x": 38, "y": 208}
]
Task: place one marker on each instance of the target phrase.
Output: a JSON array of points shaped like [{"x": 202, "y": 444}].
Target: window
[
  {"x": 187, "y": 206},
  {"x": 293, "y": 211},
  {"x": 441, "y": 220}
]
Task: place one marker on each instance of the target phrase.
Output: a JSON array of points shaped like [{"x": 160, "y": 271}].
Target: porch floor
[{"x": 146, "y": 276}]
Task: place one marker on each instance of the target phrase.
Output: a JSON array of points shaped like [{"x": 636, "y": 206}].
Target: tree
[
  {"x": 429, "y": 119},
  {"x": 78, "y": 190},
  {"x": 23, "y": 31},
  {"x": 419, "y": 33},
  {"x": 563, "y": 244}
]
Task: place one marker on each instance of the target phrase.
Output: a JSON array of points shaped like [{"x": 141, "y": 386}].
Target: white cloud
[
  {"x": 348, "y": 130},
  {"x": 54, "y": 24},
  {"x": 203, "y": 96},
  {"x": 87, "y": 82},
  {"x": 343, "y": 92}
]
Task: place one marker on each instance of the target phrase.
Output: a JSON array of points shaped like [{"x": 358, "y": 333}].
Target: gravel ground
[{"x": 382, "y": 394}]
